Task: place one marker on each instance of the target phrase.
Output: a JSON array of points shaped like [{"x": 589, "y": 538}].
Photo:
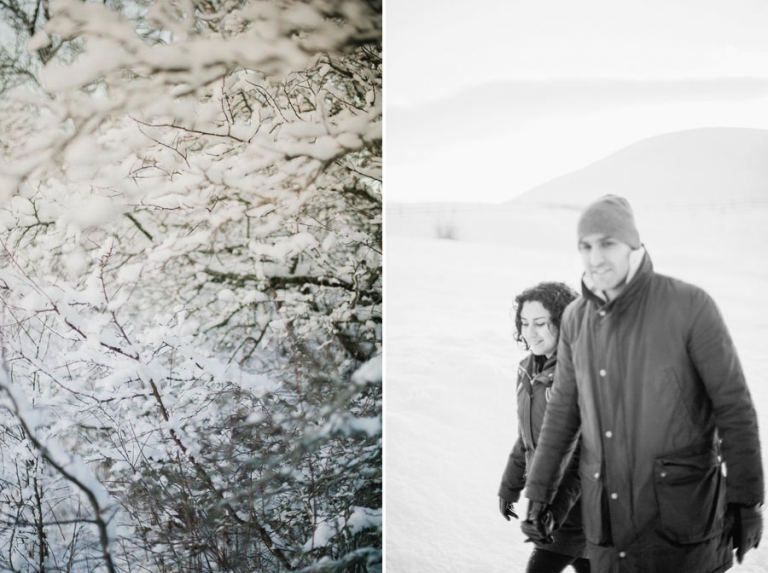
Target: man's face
[{"x": 606, "y": 262}]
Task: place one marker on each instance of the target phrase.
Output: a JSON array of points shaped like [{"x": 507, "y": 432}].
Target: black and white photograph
[{"x": 576, "y": 237}]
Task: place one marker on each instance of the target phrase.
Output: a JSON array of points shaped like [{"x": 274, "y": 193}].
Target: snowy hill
[
  {"x": 702, "y": 190},
  {"x": 714, "y": 166}
]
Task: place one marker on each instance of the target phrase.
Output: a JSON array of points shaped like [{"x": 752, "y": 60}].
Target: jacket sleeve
[
  {"x": 513, "y": 480},
  {"x": 560, "y": 430},
  {"x": 717, "y": 364},
  {"x": 569, "y": 491}
]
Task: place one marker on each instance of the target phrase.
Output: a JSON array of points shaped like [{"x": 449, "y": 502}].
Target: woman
[{"x": 538, "y": 311}]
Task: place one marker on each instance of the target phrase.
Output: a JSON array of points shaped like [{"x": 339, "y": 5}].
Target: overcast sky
[{"x": 562, "y": 68}]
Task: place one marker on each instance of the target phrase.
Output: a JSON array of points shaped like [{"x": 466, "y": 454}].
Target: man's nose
[{"x": 596, "y": 256}]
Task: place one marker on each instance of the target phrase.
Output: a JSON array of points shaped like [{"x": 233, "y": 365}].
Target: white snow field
[{"x": 451, "y": 360}]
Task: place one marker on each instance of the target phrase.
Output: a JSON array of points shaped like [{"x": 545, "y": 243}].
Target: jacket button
[
  {"x": 609, "y": 434},
  {"x": 602, "y": 372},
  {"x": 614, "y": 496},
  {"x": 663, "y": 474},
  {"x": 601, "y": 313},
  {"x": 597, "y": 475},
  {"x": 622, "y": 554}
]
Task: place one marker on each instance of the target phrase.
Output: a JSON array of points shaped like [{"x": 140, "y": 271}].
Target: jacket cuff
[
  {"x": 508, "y": 494},
  {"x": 542, "y": 494}
]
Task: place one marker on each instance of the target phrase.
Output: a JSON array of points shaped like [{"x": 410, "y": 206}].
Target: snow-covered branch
[
  {"x": 191, "y": 277},
  {"x": 69, "y": 465}
]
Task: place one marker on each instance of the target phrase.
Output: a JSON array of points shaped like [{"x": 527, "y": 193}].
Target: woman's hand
[{"x": 507, "y": 509}]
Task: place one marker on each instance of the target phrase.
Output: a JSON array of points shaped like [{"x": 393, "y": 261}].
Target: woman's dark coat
[
  {"x": 652, "y": 384},
  {"x": 534, "y": 381}
]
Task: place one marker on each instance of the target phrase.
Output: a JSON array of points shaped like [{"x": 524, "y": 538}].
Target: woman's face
[{"x": 537, "y": 329}]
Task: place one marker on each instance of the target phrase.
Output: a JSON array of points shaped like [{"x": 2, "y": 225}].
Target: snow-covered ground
[{"x": 450, "y": 364}]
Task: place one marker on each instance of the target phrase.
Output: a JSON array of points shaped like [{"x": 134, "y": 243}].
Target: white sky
[{"x": 437, "y": 49}]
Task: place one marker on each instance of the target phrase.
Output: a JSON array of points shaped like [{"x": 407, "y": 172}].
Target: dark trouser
[{"x": 543, "y": 561}]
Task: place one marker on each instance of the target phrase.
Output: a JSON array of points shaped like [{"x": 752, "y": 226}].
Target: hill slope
[{"x": 709, "y": 166}]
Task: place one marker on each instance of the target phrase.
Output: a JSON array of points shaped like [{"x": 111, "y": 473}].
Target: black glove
[
  {"x": 539, "y": 525},
  {"x": 747, "y": 528},
  {"x": 507, "y": 508}
]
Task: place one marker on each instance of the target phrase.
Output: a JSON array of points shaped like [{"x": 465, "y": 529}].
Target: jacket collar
[
  {"x": 640, "y": 271},
  {"x": 528, "y": 365}
]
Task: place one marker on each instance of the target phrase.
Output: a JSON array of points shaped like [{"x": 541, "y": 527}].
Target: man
[{"x": 648, "y": 376}]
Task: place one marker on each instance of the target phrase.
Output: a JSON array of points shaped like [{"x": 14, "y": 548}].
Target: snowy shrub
[
  {"x": 446, "y": 230},
  {"x": 190, "y": 289}
]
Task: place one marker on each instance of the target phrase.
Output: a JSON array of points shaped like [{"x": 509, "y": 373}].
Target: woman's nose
[{"x": 528, "y": 331}]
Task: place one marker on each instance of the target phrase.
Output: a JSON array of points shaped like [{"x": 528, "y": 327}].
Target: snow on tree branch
[
  {"x": 70, "y": 466},
  {"x": 191, "y": 285}
]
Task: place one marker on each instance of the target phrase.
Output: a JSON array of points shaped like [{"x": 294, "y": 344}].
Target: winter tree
[{"x": 190, "y": 286}]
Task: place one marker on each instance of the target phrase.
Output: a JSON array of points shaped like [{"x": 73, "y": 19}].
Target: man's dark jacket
[
  {"x": 534, "y": 381},
  {"x": 653, "y": 383}
]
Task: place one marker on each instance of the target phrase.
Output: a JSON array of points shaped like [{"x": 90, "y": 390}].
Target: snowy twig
[{"x": 72, "y": 469}]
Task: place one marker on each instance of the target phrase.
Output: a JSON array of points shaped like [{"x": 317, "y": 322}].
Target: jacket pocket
[
  {"x": 690, "y": 492},
  {"x": 594, "y": 507}
]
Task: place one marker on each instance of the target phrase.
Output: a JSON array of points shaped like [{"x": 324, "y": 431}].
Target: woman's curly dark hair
[{"x": 553, "y": 296}]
